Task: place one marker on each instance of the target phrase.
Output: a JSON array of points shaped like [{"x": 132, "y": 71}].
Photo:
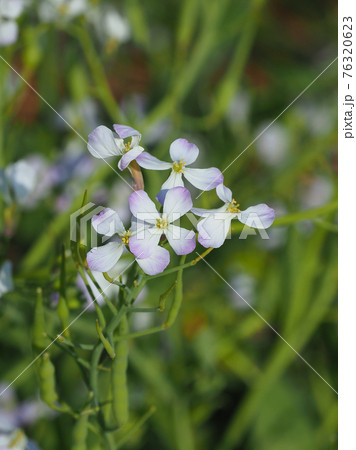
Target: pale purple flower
[
  {"x": 183, "y": 153},
  {"x": 104, "y": 258},
  {"x": 152, "y": 224},
  {"x": 103, "y": 143},
  {"x": 215, "y": 225}
]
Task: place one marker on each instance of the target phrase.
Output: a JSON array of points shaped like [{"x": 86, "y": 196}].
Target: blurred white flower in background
[
  {"x": 17, "y": 182},
  {"x": 6, "y": 283},
  {"x": 82, "y": 115},
  {"x": 318, "y": 119},
  {"x": 57, "y": 10},
  {"x": 10, "y": 10},
  {"x": 245, "y": 285},
  {"x": 239, "y": 109},
  {"x": 316, "y": 192},
  {"x": 14, "y": 415},
  {"x": 272, "y": 145},
  {"x": 109, "y": 24}
]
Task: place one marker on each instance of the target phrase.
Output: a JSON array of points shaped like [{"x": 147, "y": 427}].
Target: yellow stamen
[
  {"x": 63, "y": 9},
  {"x": 125, "y": 237},
  {"x": 233, "y": 207},
  {"x": 178, "y": 166},
  {"x": 127, "y": 146},
  {"x": 162, "y": 223}
]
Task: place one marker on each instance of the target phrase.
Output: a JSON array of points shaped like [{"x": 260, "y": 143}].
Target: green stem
[
  {"x": 176, "y": 305},
  {"x": 98, "y": 73}
]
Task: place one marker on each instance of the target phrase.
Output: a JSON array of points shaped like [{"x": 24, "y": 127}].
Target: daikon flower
[
  {"x": 215, "y": 225},
  {"x": 152, "y": 224},
  {"x": 104, "y": 258},
  {"x": 103, "y": 143},
  {"x": 17, "y": 182},
  {"x": 10, "y": 10},
  {"x": 183, "y": 153},
  {"x": 61, "y": 10},
  {"x": 6, "y": 282}
]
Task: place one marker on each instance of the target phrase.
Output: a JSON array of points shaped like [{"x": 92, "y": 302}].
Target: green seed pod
[
  {"x": 47, "y": 381},
  {"x": 163, "y": 297},
  {"x": 105, "y": 342},
  {"x": 63, "y": 314},
  {"x": 80, "y": 431},
  {"x": 39, "y": 339},
  {"x": 118, "y": 377}
]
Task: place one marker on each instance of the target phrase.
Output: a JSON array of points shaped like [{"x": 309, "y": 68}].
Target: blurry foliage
[{"x": 213, "y": 72}]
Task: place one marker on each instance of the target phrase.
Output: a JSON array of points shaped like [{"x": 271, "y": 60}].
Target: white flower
[
  {"x": 17, "y": 182},
  {"x": 6, "y": 283},
  {"x": 104, "y": 258},
  {"x": 103, "y": 143},
  {"x": 10, "y": 10},
  {"x": 176, "y": 203},
  {"x": 53, "y": 10},
  {"x": 183, "y": 153},
  {"x": 110, "y": 25},
  {"x": 215, "y": 225}
]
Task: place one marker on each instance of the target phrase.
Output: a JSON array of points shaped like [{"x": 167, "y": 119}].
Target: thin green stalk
[
  {"x": 175, "y": 307},
  {"x": 96, "y": 67}
]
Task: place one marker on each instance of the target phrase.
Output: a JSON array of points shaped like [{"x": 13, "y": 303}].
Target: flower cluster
[{"x": 151, "y": 231}]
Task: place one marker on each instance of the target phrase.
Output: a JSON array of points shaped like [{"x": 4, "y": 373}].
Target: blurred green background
[{"x": 217, "y": 73}]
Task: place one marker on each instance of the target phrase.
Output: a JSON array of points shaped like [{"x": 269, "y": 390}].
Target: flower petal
[
  {"x": 105, "y": 257},
  {"x": 181, "y": 240},
  {"x": 142, "y": 207},
  {"x": 159, "y": 197},
  {"x": 9, "y": 32},
  {"x": 177, "y": 203},
  {"x": 214, "y": 229},
  {"x": 183, "y": 149},
  {"x": 144, "y": 241},
  {"x": 11, "y": 9},
  {"x": 174, "y": 180},
  {"x": 202, "y": 212},
  {"x": 156, "y": 262},
  {"x": 124, "y": 131},
  {"x": 107, "y": 223},
  {"x": 224, "y": 193},
  {"x": 147, "y": 161},
  {"x": 259, "y": 216},
  {"x": 204, "y": 179},
  {"x": 101, "y": 143},
  {"x": 129, "y": 156}
]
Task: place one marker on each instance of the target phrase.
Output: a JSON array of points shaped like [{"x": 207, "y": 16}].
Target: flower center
[
  {"x": 127, "y": 146},
  {"x": 233, "y": 207},
  {"x": 162, "y": 223},
  {"x": 178, "y": 166},
  {"x": 63, "y": 9},
  {"x": 125, "y": 237}
]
